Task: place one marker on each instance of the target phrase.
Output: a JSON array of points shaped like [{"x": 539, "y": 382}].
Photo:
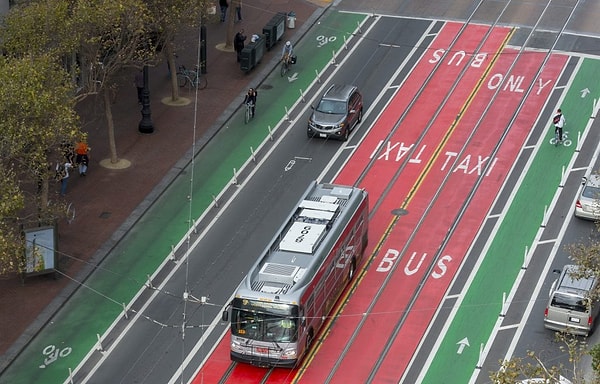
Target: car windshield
[
  {"x": 333, "y": 107},
  {"x": 591, "y": 192}
]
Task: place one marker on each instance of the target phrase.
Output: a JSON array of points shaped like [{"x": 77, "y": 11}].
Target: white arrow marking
[
  {"x": 462, "y": 344},
  {"x": 584, "y": 92},
  {"x": 294, "y": 77}
]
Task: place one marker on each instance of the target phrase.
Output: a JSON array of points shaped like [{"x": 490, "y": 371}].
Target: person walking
[
  {"x": 81, "y": 157},
  {"x": 559, "y": 122},
  {"x": 238, "y": 43},
  {"x": 223, "y": 4},
  {"x": 238, "y": 10},
  {"x": 62, "y": 175},
  {"x": 251, "y": 100}
]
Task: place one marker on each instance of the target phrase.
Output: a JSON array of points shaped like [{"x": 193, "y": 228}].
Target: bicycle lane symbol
[
  {"x": 53, "y": 353},
  {"x": 565, "y": 140},
  {"x": 323, "y": 40}
]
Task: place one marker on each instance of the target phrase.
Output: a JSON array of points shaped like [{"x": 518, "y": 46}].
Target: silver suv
[
  {"x": 570, "y": 307},
  {"x": 338, "y": 112}
]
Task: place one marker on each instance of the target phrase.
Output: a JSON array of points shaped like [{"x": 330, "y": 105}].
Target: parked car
[
  {"x": 588, "y": 203},
  {"x": 338, "y": 112},
  {"x": 570, "y": 307}
]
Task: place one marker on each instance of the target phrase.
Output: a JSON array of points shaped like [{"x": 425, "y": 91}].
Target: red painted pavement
[
  {"x": 216, "y": 365},
  {"x": 369, "y": 343},
  {"x": 495, "y": 122},
  {"x": 379, "y": 177}
]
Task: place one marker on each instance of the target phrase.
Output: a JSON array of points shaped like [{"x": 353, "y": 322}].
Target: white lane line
[{"x": 448, "y": 322}]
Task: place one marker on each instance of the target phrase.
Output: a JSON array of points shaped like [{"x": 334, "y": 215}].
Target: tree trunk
[
  {"x": 111, "y": 126},
  {"x": 230, "y": 21},
  {"x": 169, "y": 52}
]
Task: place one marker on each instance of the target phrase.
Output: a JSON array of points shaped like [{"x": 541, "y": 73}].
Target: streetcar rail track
[{"x": 432, "y": 202}]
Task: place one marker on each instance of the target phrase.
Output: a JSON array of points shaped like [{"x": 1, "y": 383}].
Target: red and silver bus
[{"x": 290, "y": 290}]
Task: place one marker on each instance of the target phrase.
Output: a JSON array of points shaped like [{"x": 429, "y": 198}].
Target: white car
[{"x": 588, "y": 203}]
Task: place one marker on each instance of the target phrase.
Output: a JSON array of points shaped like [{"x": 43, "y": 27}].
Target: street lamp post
[{"x": 145, "y": 125}]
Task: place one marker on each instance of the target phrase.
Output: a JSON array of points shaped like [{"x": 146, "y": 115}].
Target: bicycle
[
  {"x": 286, "y": 63},
  {"x": 248, "y": 115},
  {"x": 193, "y": 77},
  {"x": 565, "y": 139}
]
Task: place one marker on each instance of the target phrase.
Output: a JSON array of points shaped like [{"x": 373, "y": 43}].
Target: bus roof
[{"x": 302, "y": 243}]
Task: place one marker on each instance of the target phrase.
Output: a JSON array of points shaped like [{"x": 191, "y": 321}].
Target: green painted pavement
[
  {"x": 479, "y": 310},
  {"x": 91, "y": 311}
]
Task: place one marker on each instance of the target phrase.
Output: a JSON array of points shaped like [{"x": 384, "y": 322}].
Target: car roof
[
  {"x": 339, "y": 92},
  {"x": 571, "y": 285},
  {"x": 593, "y": 180}
]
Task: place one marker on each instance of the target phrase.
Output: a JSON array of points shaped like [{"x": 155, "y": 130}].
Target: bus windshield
[{"x": 256, "y": 322}]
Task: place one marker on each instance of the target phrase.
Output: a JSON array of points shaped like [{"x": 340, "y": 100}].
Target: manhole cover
[
  {"x": 399, "y": 212},
  {"x": 105, "y": 215},
  {"x": 266, "y": 86}
]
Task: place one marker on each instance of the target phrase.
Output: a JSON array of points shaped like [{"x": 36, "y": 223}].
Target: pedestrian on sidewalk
[
  {"x": 62, "y": 175},
  {"x": 238, "y": 43},
  {"x": 68, "y": 151},
  {"x": 139, "y": 84},
  {"x": 238, "y": 11},
  {"x": 82, "y": 158},
  {"x": 559, "y": 122},
  {"x": 223, "y": 4}
]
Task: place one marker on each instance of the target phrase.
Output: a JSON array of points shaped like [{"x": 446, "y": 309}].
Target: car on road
[
  {"x": 570, "y": 305},
  {"x": 338, "y": 112},
  {"x": 588, "y": 202}
]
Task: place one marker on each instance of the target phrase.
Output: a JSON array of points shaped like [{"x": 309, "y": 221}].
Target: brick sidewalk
[{"x": 105, "y": 199}]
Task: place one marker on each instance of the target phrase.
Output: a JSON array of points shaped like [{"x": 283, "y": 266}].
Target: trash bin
[{"x": 291, "y": 20}]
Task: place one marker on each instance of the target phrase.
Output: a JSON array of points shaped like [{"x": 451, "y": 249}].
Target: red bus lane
[
  {"x": 421, "y": 314},
  {"x": 393, "y": 156},
  {"x": 389, "y": 308}
]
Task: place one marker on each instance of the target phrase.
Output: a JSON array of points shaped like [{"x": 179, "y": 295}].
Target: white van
[{"x": 570, "y": 308}]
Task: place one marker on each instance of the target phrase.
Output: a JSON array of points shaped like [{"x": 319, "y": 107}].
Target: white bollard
[
  {"x": 270, "y": 133},
  {"x": 234, "y": 181},
  {"x": 525, "y": 258},
  {"x": 99, "y": 344}
]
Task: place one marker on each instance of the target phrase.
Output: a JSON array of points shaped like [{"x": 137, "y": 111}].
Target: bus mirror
[
  {"x": 303, "y": 321},
  {"x": 225, "y": 315}
]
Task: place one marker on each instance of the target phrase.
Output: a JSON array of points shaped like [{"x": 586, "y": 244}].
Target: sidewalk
[{"x": 108, "y": 202}]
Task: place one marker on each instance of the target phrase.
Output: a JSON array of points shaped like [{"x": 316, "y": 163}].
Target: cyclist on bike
[
  {"x": 287, "y": 52},
  {"x": 250, "y": 100},
  {"x": 559, "y": 122}
]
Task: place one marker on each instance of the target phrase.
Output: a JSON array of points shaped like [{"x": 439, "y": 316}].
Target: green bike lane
[
  {"x": 481, "y": 303},
  {"x": 73, "y": 332}
]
